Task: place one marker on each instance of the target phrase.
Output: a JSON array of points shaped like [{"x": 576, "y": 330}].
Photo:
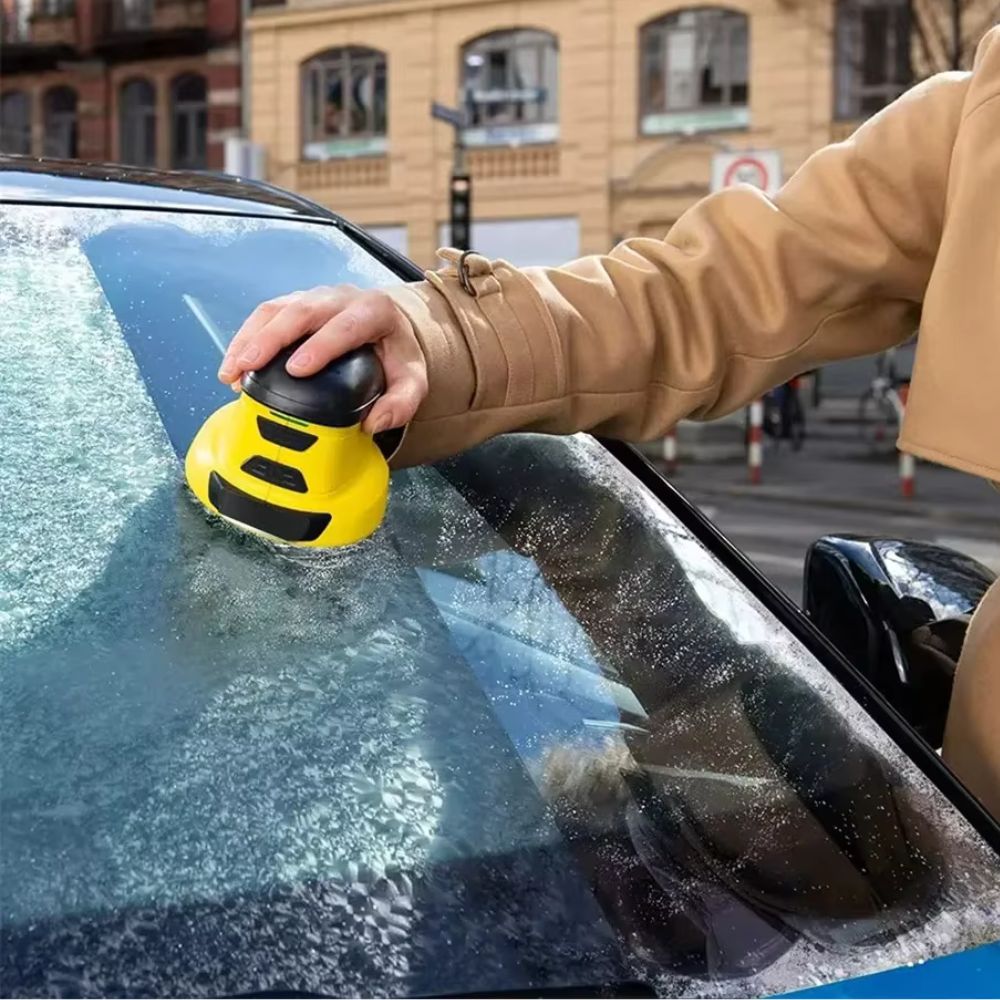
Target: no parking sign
[{"x": 761, "y": 168}]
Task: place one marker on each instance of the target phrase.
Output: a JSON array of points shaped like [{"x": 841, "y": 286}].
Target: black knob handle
[{"x": 339, "y": 395}]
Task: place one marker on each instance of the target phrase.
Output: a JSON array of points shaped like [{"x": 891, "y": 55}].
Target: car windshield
[{"x": 530, "y": 735}]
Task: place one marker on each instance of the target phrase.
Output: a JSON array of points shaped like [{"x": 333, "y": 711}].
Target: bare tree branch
[{"x": 920, "y": 31}]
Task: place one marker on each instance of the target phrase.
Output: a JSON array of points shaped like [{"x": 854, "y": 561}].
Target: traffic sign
[
  {"x": 452, "y": 116},
  {"x": 761, "y": 168}
]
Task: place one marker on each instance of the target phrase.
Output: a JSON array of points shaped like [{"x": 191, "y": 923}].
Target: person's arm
[{"x": 743, "y": 294}]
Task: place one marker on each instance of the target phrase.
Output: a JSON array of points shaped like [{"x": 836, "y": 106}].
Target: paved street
[{"x": 833, "y": 486}]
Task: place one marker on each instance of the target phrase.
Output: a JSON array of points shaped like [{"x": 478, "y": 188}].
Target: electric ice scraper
[{"x": 288, "y": 458}]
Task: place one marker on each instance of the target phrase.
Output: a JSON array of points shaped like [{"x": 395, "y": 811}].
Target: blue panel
[{"x": 974, "y": 973}]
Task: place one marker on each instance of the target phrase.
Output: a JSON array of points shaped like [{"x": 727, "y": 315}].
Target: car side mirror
[{"x": 898, "y": 612}]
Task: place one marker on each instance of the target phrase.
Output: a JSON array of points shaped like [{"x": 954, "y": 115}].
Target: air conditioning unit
[{"x": 245, "y": 159}]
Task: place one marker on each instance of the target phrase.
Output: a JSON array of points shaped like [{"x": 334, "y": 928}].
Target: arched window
[
  {"x": 59, "y": 112},
  {"x": 694, "y": 71},
  {"x": 137, "y": 123},
  {"x": 188, "y": 123},
  {"x": 15, "y": 122},
  {"x": 873, "y": 55},
  {"x": 510, "y": 87},
  {"x": 344, "y": 103}
]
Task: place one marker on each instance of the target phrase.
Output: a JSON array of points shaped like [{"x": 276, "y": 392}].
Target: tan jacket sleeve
[{"x": 743, "y": 294}]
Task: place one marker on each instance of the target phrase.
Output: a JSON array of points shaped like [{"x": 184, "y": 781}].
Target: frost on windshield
[
  {"x": 227, "y": 764},
  {"x": 750, "y": 802},
  {"x": 79, "y": 435},
  {"x": 529, "y": 734}
]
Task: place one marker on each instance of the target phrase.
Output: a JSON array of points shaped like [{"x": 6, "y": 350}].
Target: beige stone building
[{"x": 587, "y": 120}]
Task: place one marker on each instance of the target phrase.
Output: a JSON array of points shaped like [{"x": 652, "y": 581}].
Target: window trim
[
  {"x": 56, "y": 122},
  {"x": 727, "y": 115},
  {"x": 540, "y": 130},
  {"x": 316, "y": 143},
  {"x": 184, "y": 116},
  {"x": 26, "y": 129},
  {"x": 16, "y": 22},
  {"x": 849, "y": 90},
  {"x": 143, "y": 115}
]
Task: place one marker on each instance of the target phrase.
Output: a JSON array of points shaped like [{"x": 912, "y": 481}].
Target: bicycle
[{"x": 880, "y": 409}]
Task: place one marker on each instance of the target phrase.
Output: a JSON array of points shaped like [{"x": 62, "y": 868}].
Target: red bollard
[
  {"x": 907, "y": 463},
  {"x": 907, "y": 469},
  {"x": 755, "y": 441},
  {"x": 670, "y": 451}
]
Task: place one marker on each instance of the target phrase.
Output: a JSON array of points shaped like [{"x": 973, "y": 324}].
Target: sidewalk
[{"x": 836, "y": 470}]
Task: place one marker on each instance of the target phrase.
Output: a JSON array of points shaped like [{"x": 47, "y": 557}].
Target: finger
[
  {"x": 260, "y": 317},
  {"x": 365, "y": 319},
  {"x": 396, "y": 408},
  {"x": 290, "y": 323}
]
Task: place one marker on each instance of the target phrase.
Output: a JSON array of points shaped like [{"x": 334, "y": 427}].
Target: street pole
[
  {"x": 460, "y": 214},
  {"x": 460, "y": 185},
  {"x": 244, "y": 70}
]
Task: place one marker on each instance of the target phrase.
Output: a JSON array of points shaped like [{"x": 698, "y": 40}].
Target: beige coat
[{"x": 896, "y": 227}]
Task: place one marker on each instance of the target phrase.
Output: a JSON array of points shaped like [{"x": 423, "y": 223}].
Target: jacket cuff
[
  {"x": 451, "y": 370},
  {"x": 491, "y": 349}
]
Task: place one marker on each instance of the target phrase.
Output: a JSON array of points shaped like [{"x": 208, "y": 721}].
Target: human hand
[{"x": 336, "y": 320}]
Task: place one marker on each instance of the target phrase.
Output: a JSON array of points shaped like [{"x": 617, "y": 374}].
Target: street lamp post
[{"x": 460, "y": 186}]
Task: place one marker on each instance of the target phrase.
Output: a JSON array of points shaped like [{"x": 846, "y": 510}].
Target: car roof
[{"x": 25, "y": 179}]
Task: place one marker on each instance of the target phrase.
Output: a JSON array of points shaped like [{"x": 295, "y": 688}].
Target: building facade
[
  {"x": 148, "y": 82},
  {"x": 587, "y": 120}
]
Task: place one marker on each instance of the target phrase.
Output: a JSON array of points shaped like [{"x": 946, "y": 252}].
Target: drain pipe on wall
[{"x": 244, "y": 71}]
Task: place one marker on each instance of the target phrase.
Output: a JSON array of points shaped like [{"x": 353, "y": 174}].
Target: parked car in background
[{"x": 546, "y": 733}]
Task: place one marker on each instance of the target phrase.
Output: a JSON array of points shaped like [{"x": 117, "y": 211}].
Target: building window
[
  {"x": 15, "y": 22},
  {"x": 873, "y": 55},
  {"x": 344, "y": 104},
  {"x": 131, "y": 15},
  {"x": 15, "y": 122},
  {"x": 137, "y": 123},
  {"x": 189, "y": 123},
  {"x": 510, "y": 88},
  {"x": 55, "y": 8},
  {"x": 59, "y": 111},
  {"x": 694, "y": 72}
]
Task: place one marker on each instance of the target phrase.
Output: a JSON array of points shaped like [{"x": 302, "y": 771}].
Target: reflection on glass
[
  {"x": 530, "y": 734},
  {"x": 947, "y": 582}
]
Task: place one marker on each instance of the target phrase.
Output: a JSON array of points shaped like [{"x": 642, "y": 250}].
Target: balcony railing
[
  {"x": 359, "y": 172},
  {"x": 129, "y": 15},
  {"x": 54, "y": 23},
  {"x": 124, "y": 19},
  {"x": 39, "y": 24},
  {"x": 514, "y": 163}
]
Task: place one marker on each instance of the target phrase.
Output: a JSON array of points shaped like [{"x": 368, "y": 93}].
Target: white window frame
[
  {"x": 320, "y": 142},
  {"x": 677, "y": 47}
]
